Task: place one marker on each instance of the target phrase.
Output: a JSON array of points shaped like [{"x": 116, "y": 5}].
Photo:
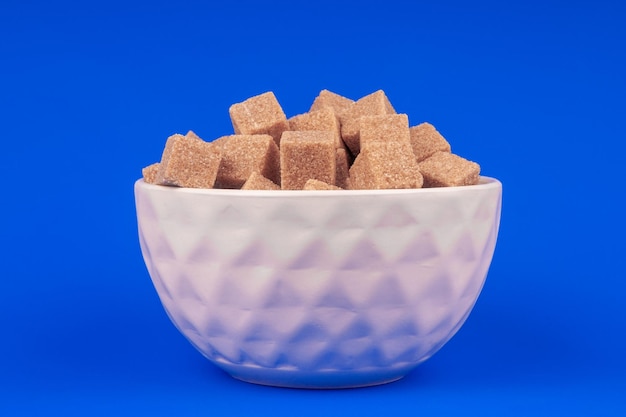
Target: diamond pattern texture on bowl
[{"x": 316, "y": 283}]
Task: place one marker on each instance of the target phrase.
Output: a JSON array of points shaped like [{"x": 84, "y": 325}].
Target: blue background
[{"x": 534, "y": 91}]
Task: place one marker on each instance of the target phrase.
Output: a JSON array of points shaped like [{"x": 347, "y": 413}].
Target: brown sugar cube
[
  {"x": 426, "y": 140},
  {"x": 386, "y": 127},
  {"x": 257, "y": 181},
  {"x": 219, "y": 142},
  {"x": 149, "y": 173},
  {"x": 444, "y": 169},
  {"x": 192, "y": 135},
  {"x": 307, "y": 155},
  {"x": 339, "y": 104},
  {"x": 244, "y": 154},
  {"x": 257, "y": 115},
  {"x": 373, "y": 104},
  {"x": 188, "y": 162},
  {"x": 319, "y": 185},
  {"x": 342, "y": 169},
  {"x": 323, "y": 119},
  {"x": 385, "y": 165}
]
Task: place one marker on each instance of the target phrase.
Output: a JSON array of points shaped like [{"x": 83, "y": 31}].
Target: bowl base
[{"x": 331, "y": 379}]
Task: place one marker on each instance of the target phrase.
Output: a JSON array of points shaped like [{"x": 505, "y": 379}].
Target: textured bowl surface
[{"x": 318, "y": 289}]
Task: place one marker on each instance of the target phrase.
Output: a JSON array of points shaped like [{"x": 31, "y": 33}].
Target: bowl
[{"x": 318, "y": 289}]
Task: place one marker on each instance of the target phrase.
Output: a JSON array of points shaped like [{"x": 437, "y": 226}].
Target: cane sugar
[
  {"x": 328, "y": 99},
  {"x": 307, "y": 155},
  {"x": 192, "y": 135},
  {"x": 363, "y": 144},
  {"x": 188, "y": 162},
  {"x": 373, "y": 104},
  {"x": 323, "y": 119},
  {"x": 387, "y": 127},
  {"x": 426, "y": 140},
  {"x": 385, "y": 165},
  {"x": 257, "y": 181},
  {"x": 244, "y": 154},
  {"x": 221, "y": 141},
  {"x": 149, "y": 173},
  {"x": 342, "y": 169},
  {"x": 444, "y": 169},
  {"x": 319, "y": 185},
  {"x": 260, "y": 114}
]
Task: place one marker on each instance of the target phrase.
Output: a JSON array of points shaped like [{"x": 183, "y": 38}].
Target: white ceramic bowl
[{"x": 318, "y": 289}]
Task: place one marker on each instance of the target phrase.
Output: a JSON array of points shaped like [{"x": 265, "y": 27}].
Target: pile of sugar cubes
[{"x": 338, "y": 144}]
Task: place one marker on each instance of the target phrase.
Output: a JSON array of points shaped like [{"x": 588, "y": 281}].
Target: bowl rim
[{"x": 484, "y": 183}]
